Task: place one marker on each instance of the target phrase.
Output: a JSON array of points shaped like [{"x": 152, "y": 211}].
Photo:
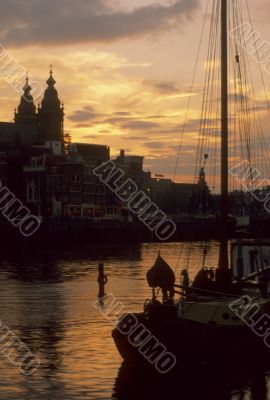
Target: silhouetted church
[{"x": 36, "y": 126}]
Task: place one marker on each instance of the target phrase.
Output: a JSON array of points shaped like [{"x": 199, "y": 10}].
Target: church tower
[
  {"x": 51, "y": 116},
  {"x": 26, "y": 112}
]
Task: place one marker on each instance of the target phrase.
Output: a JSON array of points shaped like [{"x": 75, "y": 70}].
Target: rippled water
[{"x": 47, "y": 300}]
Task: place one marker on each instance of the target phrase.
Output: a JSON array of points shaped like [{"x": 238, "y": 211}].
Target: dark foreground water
[{"x": 47, "y": 299}]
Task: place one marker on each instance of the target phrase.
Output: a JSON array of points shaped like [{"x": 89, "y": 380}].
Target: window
[{"x": 76, "y": 178}]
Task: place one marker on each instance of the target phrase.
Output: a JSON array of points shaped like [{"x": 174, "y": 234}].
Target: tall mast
[{"x": 223, "y": 254}]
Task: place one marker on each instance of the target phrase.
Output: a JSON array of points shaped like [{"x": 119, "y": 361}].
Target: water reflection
[
  {"x": 46, "y": 298},
  {"x": 55, "y": 265},
  {"x": 194, "y": 382},
  {"x": 41, "y": 317}
]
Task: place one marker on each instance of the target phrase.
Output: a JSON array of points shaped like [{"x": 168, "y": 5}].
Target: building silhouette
[
  {"x": 38, "y": 162},
  {"x": 54, "y": 177},
  {"x": 50, "y": 118}
]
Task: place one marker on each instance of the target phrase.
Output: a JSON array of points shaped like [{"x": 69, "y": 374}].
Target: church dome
[
  {"x": 51, "y": 100},
  {"x": 26, "y": 110}
]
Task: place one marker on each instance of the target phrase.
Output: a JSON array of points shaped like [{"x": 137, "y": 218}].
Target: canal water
[{"x": 47, "y": 299}]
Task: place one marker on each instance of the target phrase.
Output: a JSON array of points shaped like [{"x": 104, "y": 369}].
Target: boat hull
[{"x": 185, "y": 339}]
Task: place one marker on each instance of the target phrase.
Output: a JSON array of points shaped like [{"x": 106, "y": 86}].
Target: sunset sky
[{"x": 123, "y": 69}]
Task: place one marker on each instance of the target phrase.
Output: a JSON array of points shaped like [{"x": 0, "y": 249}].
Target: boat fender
[{"x": 184, "y": 277}]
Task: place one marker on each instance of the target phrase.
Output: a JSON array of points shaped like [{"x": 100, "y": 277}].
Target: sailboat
[{"x": 219, "y": 315}]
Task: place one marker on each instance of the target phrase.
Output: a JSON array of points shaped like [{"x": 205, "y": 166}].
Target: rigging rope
[{"x": 190, "y": 92}]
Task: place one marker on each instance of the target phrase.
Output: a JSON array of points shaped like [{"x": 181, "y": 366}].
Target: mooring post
[{"x": 102, "y": 280}]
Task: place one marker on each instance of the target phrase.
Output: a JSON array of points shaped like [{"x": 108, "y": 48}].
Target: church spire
[
  {"x": 26, "y": 110},
  {"x": 51, "y": 101},
  {"x": 51, "y": 113},
  {"x": 51, "y": 82}
]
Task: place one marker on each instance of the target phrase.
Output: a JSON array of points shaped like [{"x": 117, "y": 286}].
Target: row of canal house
[
  {"x": 55, "y": 178},
  {"x": 49, "y": 174},
  {"x": 65, "y": 186}
]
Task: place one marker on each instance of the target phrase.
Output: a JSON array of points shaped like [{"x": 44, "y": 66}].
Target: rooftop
[{"x": 18, "y": 134}]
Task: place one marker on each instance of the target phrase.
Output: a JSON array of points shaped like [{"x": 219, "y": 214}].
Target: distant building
[
  {"x": 133, "y": 168},
  {"x": 39, "y": 188},
  {"x": 17, "y": 134},
  {"x": 91, "y": 154},
  {"x": 50, "y": 118},
  {"x": 26, "y": 112},
  {"x": 161, "y": 189},
  {"x": 24, "y": 130},
  {"x": 171, "y": 197},
  {"x": 32, "y": 134},
  {"x": 65, "y": 186},
  {"x": 202, "y": 198},
  {"x": 51, "y": 175},
  {"x": 176, "y": 198},
  {"x": 182, "y": 197},
  {"x": 94, "y": 199},
  {"x": 54, "y": 177}
]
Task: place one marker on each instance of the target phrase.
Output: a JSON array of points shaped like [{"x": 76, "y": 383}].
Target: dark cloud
[
  {"x": 158, "y": 116},
  {"x": 89, "y": 117},
  {"x": 191, "y": 126},
  {"x": 131, "y": 123},
  {"x": 162, "y": 87},
  {"x": 85, "y": 125},
  {"x": 68, "y": 21},
  {"x": 81, "y": 116},
  {"x": 140, "y": 125},
  {"x": 247, "y": 103},
  {"x": 89, "y": 137},
  {"x": 115, "y": 120},
  {"x": 154, "y": 145},
  {"x": 98, "y": 136},
  {"x": 135, "y": 138},
  {"x": 87, "y": 114},
  {"x": 167, "y": 131},
  {"x": 122, "y": 113}
]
